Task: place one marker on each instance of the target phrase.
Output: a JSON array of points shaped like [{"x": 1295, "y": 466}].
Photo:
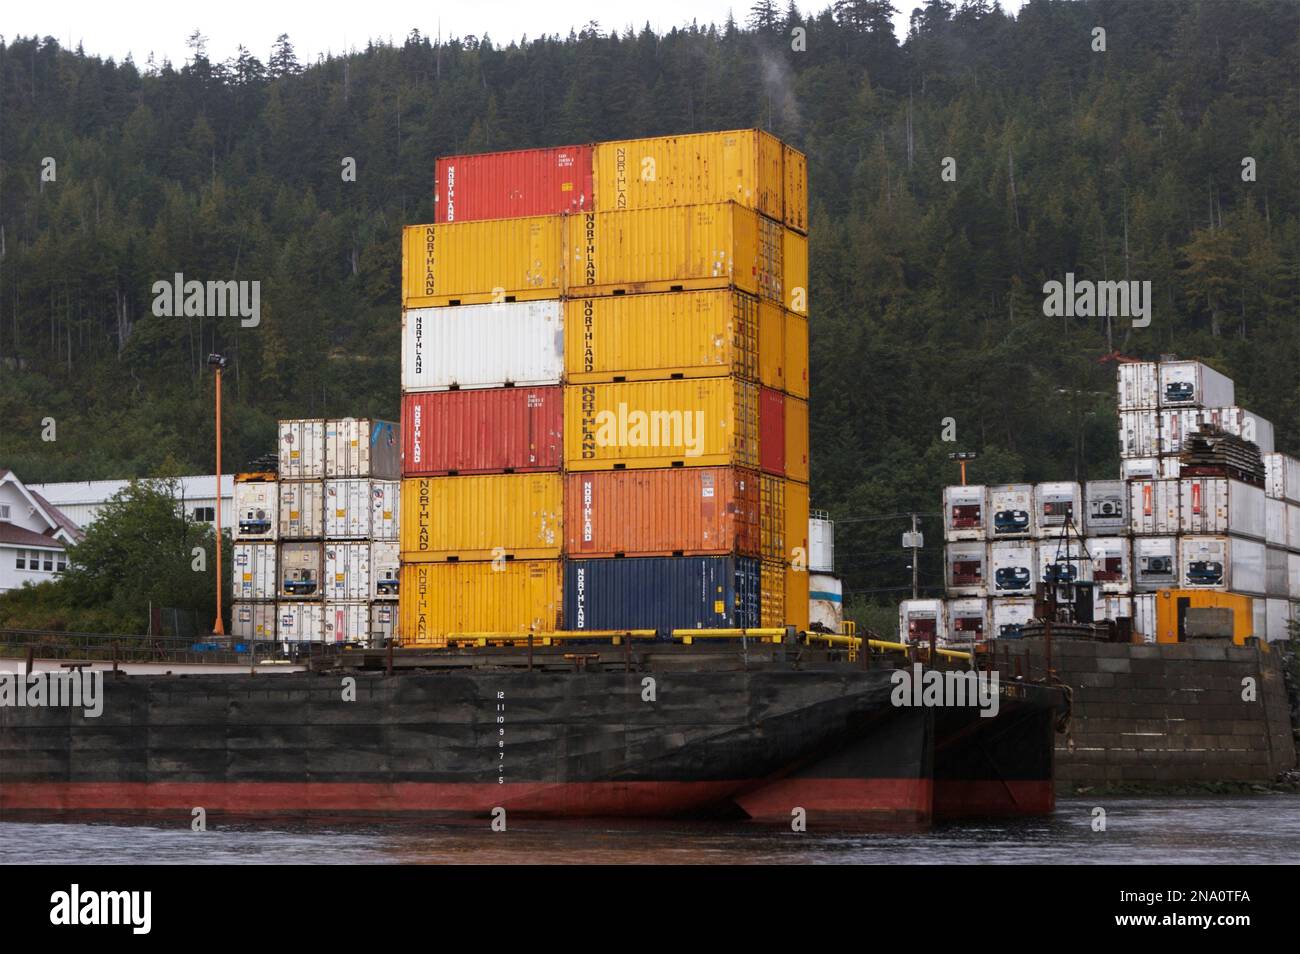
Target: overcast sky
[{"x": 325, "y": 26}]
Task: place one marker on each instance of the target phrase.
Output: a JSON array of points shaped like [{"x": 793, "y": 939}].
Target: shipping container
[
  {"x": 1009, "y": 616},
  {"x": 1144, "y": 616},
  {"x": 302, "y": 509},
  {"x": 965, "y": 568},
  {"x": 796, "y": 355},
  {"x": 919, "y": 621},
  {"x": 1223, "y": 563},
  {"x": 385, "y": 504},
  {"x": 1105, "y": 508},
  {"x": 347, "y": 622},
  {"x": 302, "y": 449},
  {"x": 1170, "y": 468},
  {"x": 490, "y": 517},
  {"x": 796, "y": 525},
  {"x": 301, "y": 566},
  {"x": 1171, "y": 608},
  {"x": 1139, "y": 433},
  {"x": 1279, "y": 613},
  {"x": 300, "y": 623},
  {"x": 968, "y": 620},
  {"x": 821, "y": 542},
  {"x": 1275, "y": 522},
  {"x": 362, "y": 447},
  {"x": 1139, "y": 386},
  {"x": 771, "y": 345},
  {"x": 1139, "y": 468},
  {"x": 1293, "y": 574},
  {"x": 347, "y": 571},
  {"x": 796, "y": 438},
  {"x": 385, "y": 569},
  {"x": 825, "y": 602},
  {"x": 673, "y": 249},
  {"x": 772, "y": 525},
  {"x": 704, "y": 422},
  {"x": 1012, "y": 510},
  {"x": 1155, "y": 563},
  {"x": 1153, "y": 507},
  {"x": 347, "y": 509},
  {"x": 253, "y": 566},
  {"x": 656, "y": 337},
  {"x": 771, "y": 431},
  {"x": 513, "y": 184},
  {"x": 795, "y": 171},
  {"x": 662, "y": 593},
  {"x": 1192, "y": 384},
  {"x": 1275, "y": 572},
  {"x": 1056, "y": 505},
  {"x": 1111, "y": 606},
  {"x": 1177, "y": 425},
  {"x": 796, "y": 597},
  {"x": 253, "y": 621},
  {"x": 1112, "y": 570},
  {"x": 482, "y": 432},
  {"x": 1064, "y": 561},
  {"x": 1282, "y": 477},
  {"x": 383, "y": 624},
  {"x": 743, "y": 166},
  {"x": 257, "y": 510},
  {"x": 679, "y": 511},
  {"x": 483, "y": 346},
  {"x": 1012, "y": 567},
  {"x": 511, "y": 598},
  {"x": 964, "y": 516},
  {"x": 1293, "y": 526},
  {"x": 794, "y": 259},
  {"x": 1215, "y": 505},
  {"x": 1249, "y": 426},
  {"x": 772, "y": 593},
  {"x": 475, "y": 263}
]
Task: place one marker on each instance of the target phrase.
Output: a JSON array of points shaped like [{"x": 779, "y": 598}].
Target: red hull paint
[
  {"x": 969, "y": 799},
  {"x": 899, "y": 799}
]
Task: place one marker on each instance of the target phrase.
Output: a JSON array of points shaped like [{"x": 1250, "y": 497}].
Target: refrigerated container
[
  {"x": 1139, "y": 433},
  {"x": 1249, "y": 426},
  {"x": 1110, "y": 606},
  {"x": 302, "y": 449},
  {"x": 1111, "y": 563},
  {"x": 1153, "y": 507},
  {"x": 771, "y": 431},
  {"x": 256, "y": 510},
  {"x": 1282, "y": 477},
  {"x": 1278, "y": 616},
  {"x": 383, "y": 624},
  {"x": 385, "y": 509},
  {"x": 921, "y": 620},
  {"x": 253, "y": 621},
  {"x": 1223, "y": 563},
  {"x": 475, "y": 263},
  {"x": 1144, "y": 616},
  {"x": 1105, "y": 508},
  {"x": 1008, "y": 616},
  {"x": 663, "y": 593},
  {"x": 513, "y": 184},
  {"x": 1064, "y": 561},
  {"x": 964, "y": 516},
  {"x": 385, "y": 569},
  {"x": 1178, "y": 425},
  {"x": 1011, "y": 509},
  {"x": 1170, "y": 468},
  {"x": 347, "y": 571},
  {"x": 796, "y": 438},
  {"x": 966, "y": 568},
  {"x": 1056, "y": 505},
  {"x": 1293, "y": 526},
  {"x": 301, "y": 566},
  {"x": 1155, "y": 563},
  {"x": 514, "y": 597},
  {"x": 300, "y": 623},
  {"x": 347, "y": 622},
  {"x": 1214, "y": 505},
  {"x": 347, "y": 508},
  {"x": 254, "y": 571},
  {"x": 302, "y": 509},
  {"x": 1293, "y": 575},
  {"x": 497, "y": 430},
  {"x": 821, "y": 542},
  {"x": 1013, "y": 567},
  {"x": 1139, "y": 386},
  {"x": 1139, "y": 468},
  {"x": 506, "y": 344},
  {"x": 1193, "y": 384},
  {"x": 1275, "y": 572},
  {"x": 488, "y": 517},
  {"x": 968, "y": 620},
  {"x": 362, "y": 447}
]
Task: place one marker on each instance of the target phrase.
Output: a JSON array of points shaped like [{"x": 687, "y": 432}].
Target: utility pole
[
  {"x": 916, "y": 555},
  {"x": 218, "y": 363}
]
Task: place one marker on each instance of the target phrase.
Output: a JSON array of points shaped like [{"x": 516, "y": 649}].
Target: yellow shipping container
[
  {"x": 474, "y": 263},
  {"x": 700, "y": 422},
  {"x": 674, "y": 249},
  {"x": 772, "y": 517},
  {"x": 796, "y": 355},
  {"x": 742, "y": 165},
  {"x": 795, "y": 519},
  {"x": 514, "y": 598},
  {"x": 482, "y": 517},
  {"x": 772, "y": 594},
  {"x": 794, "y": 168},
  {"x": 651, "y": 337},
  {"x": 794, "y": 259},
  {"x": 796, "y": 439},
  {"x": 771, "y": 345},
  {"x": 796, "y": 597}
]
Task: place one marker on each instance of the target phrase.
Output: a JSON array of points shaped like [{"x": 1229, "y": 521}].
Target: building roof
[
  {"x": 61, "y": 518},
  {"x": 14, "y": 535},
  {"x": 100, "y": 491},
  {"x": 57, "y": 523}
]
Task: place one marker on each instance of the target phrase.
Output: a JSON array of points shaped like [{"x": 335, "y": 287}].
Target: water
[{"x": 1256, "y": 829}]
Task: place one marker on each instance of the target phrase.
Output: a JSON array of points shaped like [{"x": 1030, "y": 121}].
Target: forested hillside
[{"x": 927, "y": 295}]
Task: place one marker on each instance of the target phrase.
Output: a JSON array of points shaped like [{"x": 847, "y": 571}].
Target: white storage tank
[
  {"x": 385, "y": 569},
  {"x": 302, "y": 449},
  {"x": 1153, "y": 507},
  {"x": 1013, "y": 565},
  {"x": 1216, "y": 505},
  {"x": 1111, "y": 564},
  {"x": 1105, "y": 508},
  {"x": 1056, "y": 504},
  {"x": 919, "y": 620},
  {"x": 255, "y": 621},
  {"x": 253, "y": 568},
  {"x": 362, "y": 447},
  {"x": 1282, "y": 477},
  {"x": 348, "y": 507},
  {"x": 300, "y": 623},
  {"x": 256, "y": 510},
  {"x": 826, "y": 601},
  {"x": 1139, "y": 433},
  {"x": 821, "y": 542},
  {"x": 1009, "y": 615},
  {"x": 300, "y": 570},
  {"x": 966, "y": 569},
  {"x": 347, "y": 571},
  {"x": 1193, "y": 384},
  {"x": 1064, "y": 561},
  {"x": 1222, "y": 563},
  {"x": 1139, "y": 386},
  {"x": 383, "y": 623},
  {"x": 968, "y": 620},
  {"x": 347, "y": 622},
  {"x": 1155, "y": 563},
  {"x": 483, "y": 346},
  {"x": 1011, "y": 509},
  {"x": 385, "y": 497},
  {"x": 964, "y": 512},
  {"x": 302, "y": 509}
]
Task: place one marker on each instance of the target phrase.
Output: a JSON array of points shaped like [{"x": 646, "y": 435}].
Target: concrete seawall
[{"x": 1164, "y": 714}]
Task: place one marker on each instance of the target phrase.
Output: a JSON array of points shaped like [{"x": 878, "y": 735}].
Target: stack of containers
[
  {"x": 653, "y": 288},
  {"x": 253, "y": 560},
  {"x": 1282, "y": 536}
]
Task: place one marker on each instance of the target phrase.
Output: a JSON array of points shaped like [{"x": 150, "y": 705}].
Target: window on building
[
  {"x": 20, "y": 559},
  {"x": 62, "y": 562},
  {"x": 206, "y": 514},
  {"x": 4, "y": 511},
  {"x": 49, "y": 562}
]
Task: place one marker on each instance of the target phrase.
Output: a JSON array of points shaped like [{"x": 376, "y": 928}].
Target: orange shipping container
[
  {"x": 796, "y": 597},
  {"x": 482, "y": 517},
  {"x": 796, "y": 355},
  {"x": 795, "y": 171},
  {"x": 796, "y": 439},
  {"x": 773, "y": 510},
  {"x": 796, "y": 523},
  {"x": 794, "y": 259},
  {"x": 681, "y": 511},
  {"x": 473, "y": 263},
  {"x": 513, "y": 598},
  {"x": 771, "y": 345},
  {"x": 772, "y": 594}
]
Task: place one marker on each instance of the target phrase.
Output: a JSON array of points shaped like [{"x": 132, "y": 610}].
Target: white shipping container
[
  {"x": 1275, "y": 522},
  {"x": 1177, "y": 425},
  {"x": 968, "y": 620},
  {"x": 1282, "y": 477},
  {"x": 254, "y": 621},
  {"x": 1144, "y": 616},
  {"x": 1275, "y": 572},
  {"x": 1105, "y": 508},
  {"x": 1011, "y": 507},
  {"x": 347, "y": 571},
  {"x": 302, "y": 509},
  {"x": 483, "y": 346},
  {"x": 1293, "y": 526},
  {"x": 821, "y": 545},
  {"x": 383, "y": 623},
  {"x": 1222, "y": 563},
  {"x": 385, "y": 569},
  {"x": 1171, "y": 468},
  {"x": 1192, "y": 384},
  {"x": 918, "y": 620},
  {"x": 1056, "y": 504},
  {"x": 1013, "y": 567},
  {"x": 253, "y": 569},
  {"x": 1279, "y": 613},
  {"x": 964, "y": 512},
  {"x": 965, "y": 563},
  {"x": 362, "y": 447},
  {"x": 1155, "y": 563},
  {"x": 1153, "y": 507},
  {"x": 385, "y": 508},
  {"x": 300, "y": 570},
  {"x": 301, "y": 623},
  {"x": 1009, "y": 615},
  {"x": 302, "y": 449},
  {"x": 347, "y": 622},
  {"x": 1259, "y": 614},
  {"x": 1064, "y": 561},
  {"x": 347, "y": 509},
  {"x": 1139, "y": 386},
  {"x": 256, "y": 509},
  {"x": 1111, "y": 606},
  {"x": 1293, "y": 575},
  {"x": 1139, "y": 433},
  {"x": 1214, "y": 505},
  {"x": 1249, "y": 426},
  {"x": 1139, "y": 468},
  {"x": 1112, "y": 569}
]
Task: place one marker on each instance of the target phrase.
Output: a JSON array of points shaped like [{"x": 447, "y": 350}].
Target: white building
[
  {"x": 82, "y": 500},
  {"x": 33, "y": 535}
]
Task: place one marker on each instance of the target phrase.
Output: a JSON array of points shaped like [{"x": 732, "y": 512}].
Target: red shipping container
[
  {"x": 503, "y": 185},
  {"x": 482, "y": 431},
  {"x": 771, "y": 431},
  {"x": 678, "y": 511}
]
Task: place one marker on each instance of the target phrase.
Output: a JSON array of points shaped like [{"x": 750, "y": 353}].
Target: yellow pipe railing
[{"x": 770, "y": 634}]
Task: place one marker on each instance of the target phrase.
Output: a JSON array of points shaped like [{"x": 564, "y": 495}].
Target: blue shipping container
[{"x": 662, "y": 593}]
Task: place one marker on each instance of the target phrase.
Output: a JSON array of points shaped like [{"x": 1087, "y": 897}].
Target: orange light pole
[
  {"x": 961, "y": 457},
  {"x": 218, "y": 363}
]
